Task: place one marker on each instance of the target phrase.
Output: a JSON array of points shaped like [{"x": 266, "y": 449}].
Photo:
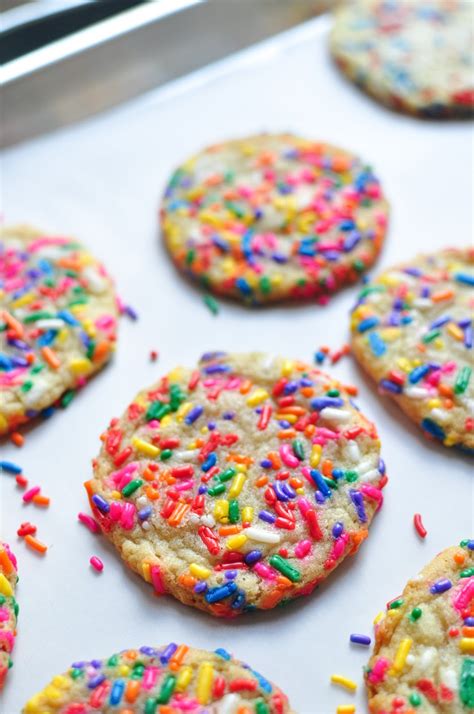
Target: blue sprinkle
[
  {"x": 434, "y": 429},
  {"x": 194, "y": 414},
  {"x": 239, "y": 601},
  {"x": 464, "y": 278},
  {"x": 242, "y": 285},
  {"x": 377, "y": 345},
  {"x": 223, "y": 653},
  {"x": 253, "y": 557},
  {"x": 5, "y": 363},
  {"x": 117, "y": 691},
  {"x": 220, "y": 592},
  {"x": 320, "y": 482},
  {"x": 418, "y": 373},
  {"x": 441, "y": 586},
  {"x": 10, "y": 467},
  {"x": 368, "y": 324},
  {"x": 390, "y": 386},
  {"x": 209, "y": 462},
  {"x": 322, "y": 402},
  {"x": 168, "y": 652},
  {"x": 101, "y": 503},
  {"x": 337, "y": 529}
]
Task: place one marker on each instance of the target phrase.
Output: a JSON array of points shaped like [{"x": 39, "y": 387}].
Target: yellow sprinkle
[
  {"x": 146, "y": 572},
  {"x": 33, "y": 705},
  {"x": 221, "y": 510},
  {"x": 434, "y": 403},
  {"x": 291, "y": 418},
  {"x": 175, "y": 374},
  {"x": 81, "y": 365},
  {"x": 62, "y": 336},
  {"x": 287, "y": 368},
  {"x": 455, "y": 331},
  {"x": 52, "y": 694},
  {"x": 241, "y": 468},
  {"x": 389, "y": 334},
  {"x": 89, "y": 327},
  {"x": 5, "y": 587},
  {"x": 123, "y": 670},
  {"x": 23, "y": 300},
  {"x": 166, "y": 420},
  {"x": 344, "y": 682},
  {"x": 257, "y": 397},
  {"x": 400, "y": 657},
  {"x": 236, "y": 542},
  {"x": 144, "y": 447},
  {"x": 276, "y": 279},
  {"x": 183, "y": 410},
  {"x": 184, "y": 677},
  {"x": 404, "y": 364},
  {"x": 345, "y": 709},
  {"x": 61, "y": 682},
  {"x": 199, "y": 571},
  {"x": 204, "y": 683},
  {"x": 315, "y": 457},
  {"x": 3, "y": 423},
  {"x": 378, "y": 618},
  {"x": 247, "y": 514},
  {"x": 237, "y": 485},
  {"x": 438, "y": 343},
  {"x": 467, "y": 645}
]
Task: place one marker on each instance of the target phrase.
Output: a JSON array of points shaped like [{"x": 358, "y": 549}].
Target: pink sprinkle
[
  {"x": 288, "y": 458},
  {"x": 157, "y": 580},
  {"x": 96, "y": 563},
  {"x": 89, "y": 522},
  {"x": 31, "y": 493},
  {"x": 265, "y": 571},
  {"x": 303, "y": 548}
]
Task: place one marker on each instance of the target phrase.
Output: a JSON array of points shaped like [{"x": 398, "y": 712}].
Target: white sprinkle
[
  {"x": 142, "y": 501},
  {"x": 417, "y": 393},
  {"x": 50, "y": 323},
  {"x": 145, "y": 525},
  {"x": 440, "y": 415},
  {"x": 261, "y": 536},
  {"x": 208, "y": 521},
  {"x": 422, "y": 303},
  {"x": 185, "y": 455},
  {"x": 371, "y": 475},
  {"x": 353, "y": 450},
  {"x": 95, "y": 282},
  {"x": 449, "y": 677},
  {"x": 365, "y": 466},
  {"x": 332, "y": 414},
  {"x": 227, "y": 705}
]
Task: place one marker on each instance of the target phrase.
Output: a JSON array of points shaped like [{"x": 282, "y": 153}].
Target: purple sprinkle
[
  {"x": 266, "y": 464},
  {"x": 469, "y": 621},
  {"x": 228, "y": 415},
  {"x": 360, "y": 640},
  {"x": 194, "y": 414},
  {"x": 253, "y": 557},
  {"x": 267, "y": 517},
  {"x": 358, "y": 501},
  {"x": 95, "y": 681},
  {"x": 280, "y": 491},
  {"x": 145, "y": 513},
  {"x": 319, "y": 497},
  {"x": 337, "y": 529},
  {"x": 322, "y": 402},
  {"x": 168, "y": 652},
  {"x": 441, "y": 586},
  {"x": 132, "y": 314},
  {"x": 200, "y": 587},
  {"x": 440, "y": 322},
  {"x": 101, "y": 503},
  {"x": 231, "y": 574}
]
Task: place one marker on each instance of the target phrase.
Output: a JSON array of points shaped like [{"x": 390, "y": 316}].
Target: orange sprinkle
[
  {"x": 442, "y": 295},
  {"x": 421, "y": 347},
  {"x": 245, "y": 386},
  {"x": 261, "y": 481},
  {"x": 178, "y": 514},
  {"x": 296, "y": 482},
  {"x": 448, "y": 404},
  {"x": 148, "y": 475},
  {"x": 152, "y": 493},
  {"x": 178, "y": 656},
  {"x": 272, "y": 598},
  {"x": 297, "y": 411},
  {"x": 283, "y": 583},
  {"x": 187, "y": 581},
  {"x": 468, "y": 631},
  {"x": 17, "y": 438},
  {"x": 445, "y": 390},
  {"x": 13, "y": 323},
  {"x": 40, "y": 500},
  {"x": 132, "y": 690},
  {"x": 275, "y": 459},
  {"x": 131, "y": 654},
  {"x": 307, "y": 392},
  {"x": 309, "y": 430},
  {"x": 239, "y": 458},
  {"x": 165, "y": 709},
  {"x": 88, "y": 487},
  {"x": 50, "y": 357},
  {"x": 326, "y": 468},
  {"x": 5, "y": 562},
  {"x": 101, "y": 351},
  {"x": 35, "y": 544},
  {"x": 459, "y": 558},
  {"x": 229, "y": 530},
  {"x": 455, "y": 331},
  {"x": 351, "y": 389},
  {"x": 286, "y": 434},
  {"x": 243, "y": 710}
]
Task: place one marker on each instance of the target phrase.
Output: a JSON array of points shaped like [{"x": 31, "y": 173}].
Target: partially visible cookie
[
  {"x": 412, "y": 55},
  {"x": 423, "y": 657},
  {"x": 58, "y": 318},
  {"x": 274, "y": 217},
  {"x": 238, "y": 485},
  {"x": 412, "y": 330},
  {"x": 166, "y": 680},
  {"x": 8, "y": 609}
]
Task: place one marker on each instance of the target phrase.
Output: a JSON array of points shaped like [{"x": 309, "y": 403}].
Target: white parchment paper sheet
[{"x": 101, "y": 182}]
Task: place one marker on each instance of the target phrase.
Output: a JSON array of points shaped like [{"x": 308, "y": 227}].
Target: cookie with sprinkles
[
  {"x": 241, "y": 484},
  {"x": 58, "y": 319},
  {"x": 423, "y": 658},
  {"x": 274, "y": 217},
  {"x": 412, "y": 331},
  {"x": 8, "y": 609},
  {"x": 416, "y": 57},
  {"x": 165, "y": 680}
]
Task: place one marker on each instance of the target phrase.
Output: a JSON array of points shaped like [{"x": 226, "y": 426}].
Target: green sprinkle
[
  {"x": 265, "y": 285},
  {"x": 216, "y": 490},
  {"x": 190, "y": 255},
  {"x": 3, "y": 599},
  {"x": 76, "y": 673},
  {"x": 176, "y": 397},
  {"x": 234, "y": 512},
  {"x": 113, "y": 661},
  {"x": 298, "y": 449},
  {"x": 358, "y": 265},
  {"x": 150, "y": 706},
  {"x": 79, "y": 301},
  {"x": 167, "y": 689},
  {"x": 285, "y": 568},
  {"x": 261, "y": 708},
  {"x": 37, "y": 368},
  {"x": 138, "y": 670},
  {"x": 331, "y": 483},
  {"x": 42, "y": 315},
  {"x": 396, "y": 604},
  {"x": 226, "y": 475},
  {"x": 90, "y": 349},
  {"x": 67, "y": 398},
  {"x": 371, "y": 289},
  {"x": 467, "y": 573},
  {"x": 26, "y": 386},
  {"x": 351, "y": 476},
  {"x": 415, "y": 614},
  {"x": 415, "y": 699},
  {"x": 462, "y": 380},
  {"x": 157, "y": 410},
  {"x": 234, "y": 208},
  {"x": 131, "y": 487},
  {"x": 166, "y": 454},
  {"x": 212, "y": 304},
  {"x": 430, "y": 336},
  {"x": 333, "y": 393},
  {"x": 466, "y": 683}
]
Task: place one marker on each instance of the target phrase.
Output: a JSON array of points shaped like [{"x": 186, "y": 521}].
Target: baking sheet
[{"x": 101, "y": 182}]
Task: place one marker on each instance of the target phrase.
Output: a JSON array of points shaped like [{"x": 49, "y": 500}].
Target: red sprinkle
[
  {"x": 96, "y": 563},
  {"x": 153, "y": 355},
  {"x": 21, "y": 480},
  {"x": 17, "y": 438},
  {"x": 420, "y": 529},
  {"x": 26, "y": 529}
]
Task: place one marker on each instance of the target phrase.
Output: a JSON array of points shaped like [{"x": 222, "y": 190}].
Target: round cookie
[
  {"x": 416, "y": 57},
  {"x": 423, "y": 657},
  {"x": 58, "y": 318},
  {"x": 178, "y": 677},
  {"x": 274, "y": 217},
  {"x": 8, "y": 609},
  {"x": 412, "y": 332},
  {"x": 239, "y": 485}
]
